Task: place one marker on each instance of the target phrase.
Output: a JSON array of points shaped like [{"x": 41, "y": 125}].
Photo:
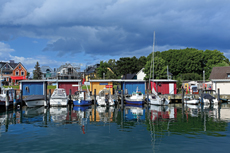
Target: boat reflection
[
  {"x": 105, "y": 114},
  {"x": 58, "y": 114},
  {"x": 33, "y": 114},
  {"x": 134, "y": 113}
]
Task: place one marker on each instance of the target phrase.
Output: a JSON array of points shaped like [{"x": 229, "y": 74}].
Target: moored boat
[
  {"x": 3, "y": 96},
  {"x": 82, "y": 98},
  {"x": 104, "y": 98},
  {"x": 136, "y": 98},
  {"x": 59, "y": 98},
  {"x": 35, "y": 100}
]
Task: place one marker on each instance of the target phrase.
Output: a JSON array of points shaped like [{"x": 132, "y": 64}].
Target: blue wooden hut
[
  {"x": 33, "y": 87},
  {"x": 131, "y": 85}
]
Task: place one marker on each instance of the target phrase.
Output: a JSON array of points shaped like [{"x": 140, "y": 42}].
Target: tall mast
[{"x": 153, "y": 52}]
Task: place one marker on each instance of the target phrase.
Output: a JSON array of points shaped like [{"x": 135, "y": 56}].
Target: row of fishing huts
[{"x": 39, "y": 87}]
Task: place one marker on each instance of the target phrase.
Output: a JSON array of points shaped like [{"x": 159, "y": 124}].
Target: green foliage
[
  {"x": 127, "y": 65},
  {"x": 181, "y": 61},
  {"x": 14, "y": 87},
  {"x": 179, "y": 84},
  {"x": 212, "y": 59},
  {"x": 51, "y": 87},
  {"x": 160, "y": 69},
  {"x": 191, "y": 76},
  {"x": 102, "y": 69},
  {"x": 28, "y": 74},
  {"x": 37, "y": 72},
  {"x": 84, "y": 87}
]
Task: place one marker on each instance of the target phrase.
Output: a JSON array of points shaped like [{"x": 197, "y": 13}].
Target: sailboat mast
[{"x": 153, "y": 52}]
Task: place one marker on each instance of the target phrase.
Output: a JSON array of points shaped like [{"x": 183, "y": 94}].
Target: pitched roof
[
  {"x": 44, "y": 68},
  {"x": 13, "y": 65},
  {"x": 220, "y": 72},
  {"x": 128, "y": 76},
  {"x": 2, "y": 64}
]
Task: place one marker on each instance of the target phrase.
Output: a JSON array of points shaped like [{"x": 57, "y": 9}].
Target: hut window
[
  {"x": 17, "y": 73},
  {"x": 22, "y": 73},
  {"x": 27, "y": 88},
  {"x": 19, "y": 67},
  {"x": 228, "y": 75}
]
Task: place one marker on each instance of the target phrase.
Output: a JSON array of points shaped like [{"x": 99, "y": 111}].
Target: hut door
[{"x": 171, "y": 88}]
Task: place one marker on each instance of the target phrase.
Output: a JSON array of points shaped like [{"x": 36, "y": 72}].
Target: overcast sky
[{"x": 54, "y": 32}]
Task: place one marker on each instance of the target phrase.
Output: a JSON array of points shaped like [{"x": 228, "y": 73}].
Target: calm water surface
[{"x": 132, "y": 129}]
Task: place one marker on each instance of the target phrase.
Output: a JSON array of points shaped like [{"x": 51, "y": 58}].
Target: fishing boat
[
  {"x": 191, "y": 101},
  {"x": 209, "y": 99},
  {"x": 156, "y": 100},
  {"x": 35, "y": 100},
  {"x": 82, "y": 98},
  {"x": 105, "y": 98},
  {"x": 59, "y": 98},
  {"x": 3, "y": 96},
  {"x": 137, "y": 98}
]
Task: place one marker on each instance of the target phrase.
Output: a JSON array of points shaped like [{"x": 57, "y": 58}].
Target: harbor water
[{"x": 152, "y": 128}]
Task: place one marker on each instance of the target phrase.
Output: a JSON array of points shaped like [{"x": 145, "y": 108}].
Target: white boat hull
[
  {"x": 159, "y": 102},
  {"x": 59, "y": 102},
  {"x": 35, "y": 103},
  {"x": 192, "y": 102},
  {"x": 101, "y": 101}
]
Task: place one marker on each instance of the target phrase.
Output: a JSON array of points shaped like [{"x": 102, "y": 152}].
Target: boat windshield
[{"x": 59, "y": 93}]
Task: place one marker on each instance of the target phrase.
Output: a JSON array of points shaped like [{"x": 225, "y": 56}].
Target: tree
[
  {"x": 37, "y": 72},
  {"x": 211, "y": 59},
  {"x": 160, "y": 69},
  {"x": 141, "y": 62},
  {"x": 102, "y": 69},
  {"x": 28, "y": 75},
  {"x": 191, "y": 76},
  {"x": 127, "y": 65}
]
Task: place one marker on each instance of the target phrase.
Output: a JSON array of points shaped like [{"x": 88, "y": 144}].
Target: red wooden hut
[{"x": 164, "y": 86}]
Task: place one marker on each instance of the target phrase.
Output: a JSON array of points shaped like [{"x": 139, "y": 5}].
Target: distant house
[
  {"x": 141, "y": 74},
  {"x": 68, "y": 71},
  {"x": 90, "y": 72},
  {"x": 11, "y": 72},
  {"x": 220, "y": 77},
  {"x": 47, "y": 72}
]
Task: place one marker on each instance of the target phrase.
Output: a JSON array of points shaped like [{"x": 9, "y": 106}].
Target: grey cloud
[{"x": 116, "y": 27}]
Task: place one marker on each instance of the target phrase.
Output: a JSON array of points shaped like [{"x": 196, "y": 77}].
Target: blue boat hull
[
  {"x": 135, "y": 102},
  {"x": 82, "y": 102}
]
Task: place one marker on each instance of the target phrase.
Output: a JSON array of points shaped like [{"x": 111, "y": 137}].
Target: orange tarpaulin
[{"x": 18, "y": 77}]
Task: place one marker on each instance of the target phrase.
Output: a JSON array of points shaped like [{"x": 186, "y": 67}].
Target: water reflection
[{"x": 176, "y": 119}]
